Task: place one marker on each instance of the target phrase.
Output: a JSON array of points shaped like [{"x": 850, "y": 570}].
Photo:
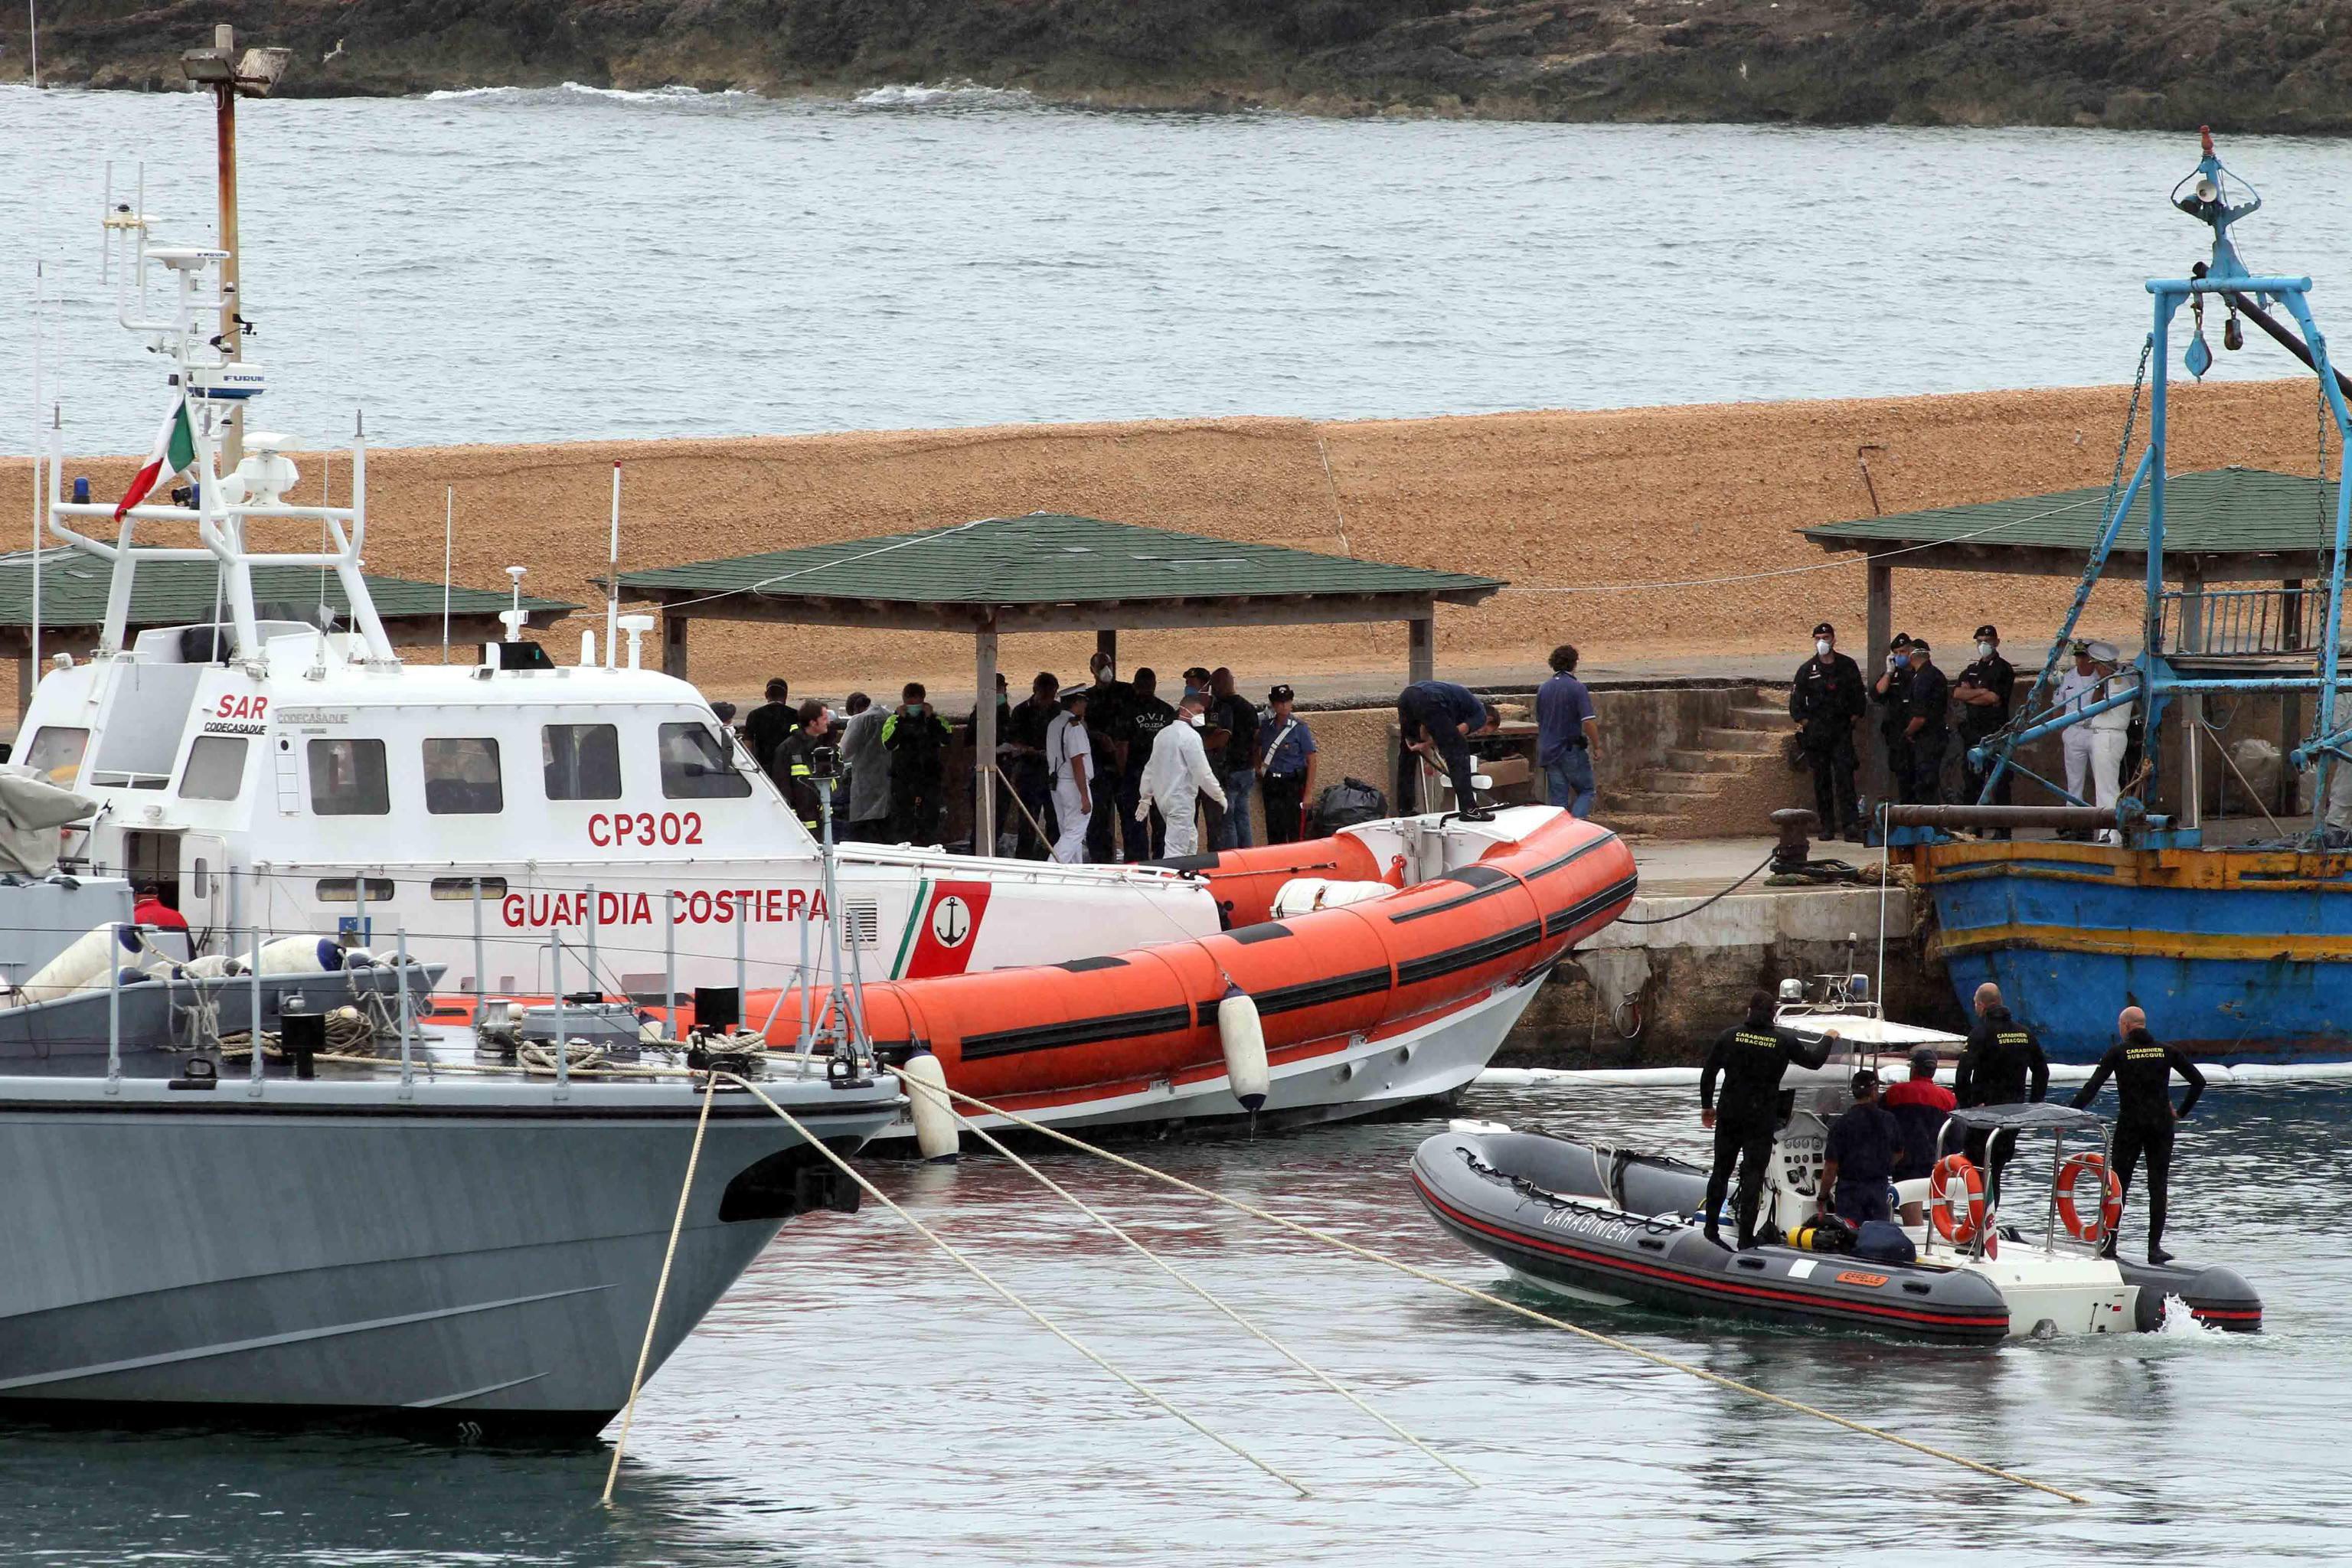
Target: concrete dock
[{"x": 1655, "y": 994}]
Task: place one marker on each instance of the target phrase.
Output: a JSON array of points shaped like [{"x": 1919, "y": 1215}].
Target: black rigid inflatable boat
[{"x": 1604, "y": 1227}]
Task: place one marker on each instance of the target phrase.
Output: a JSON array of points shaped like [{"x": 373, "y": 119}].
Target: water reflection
[{"x": 858, "y": 1400}]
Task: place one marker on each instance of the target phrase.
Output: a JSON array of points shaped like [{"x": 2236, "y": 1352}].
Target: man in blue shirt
[
  {"x": 1568, "y": 733},
  {"x": 1285, "y": 768},
  {"x": 1435, "y": 719},
  {"x": 1859, "y": 1158}
]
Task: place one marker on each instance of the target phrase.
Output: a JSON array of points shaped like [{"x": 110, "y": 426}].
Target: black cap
[
  {"x": 1281, "y": 694},
  {"x": 1866, "y": 1078},
  {"x": 1923, "y": 1060},
  {"x": 1987, "y": 633},
  {"x": 1901, "y": 639},
  {"x": 1920, "y": 644},
  {"x": 1826, "y": 630}
]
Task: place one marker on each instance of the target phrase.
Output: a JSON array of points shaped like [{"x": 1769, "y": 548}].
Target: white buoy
[
  {"x": 927, "y": 1098},
  {"x": 299, "y": 956},
  {"x": 1244, "y": 1037}
]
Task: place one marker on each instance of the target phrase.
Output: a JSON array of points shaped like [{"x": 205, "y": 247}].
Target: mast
[{"x": 229, "y": 76}]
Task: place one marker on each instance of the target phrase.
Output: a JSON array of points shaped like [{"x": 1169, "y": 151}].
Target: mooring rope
[
  {"x": 914, "y": 1086},
  {"x": 988, "y": 1279},
  {"x": 1529, "y": 1312},
  {"x": 1686, "y": 914},
  {"x": 661, "y": 1288}
]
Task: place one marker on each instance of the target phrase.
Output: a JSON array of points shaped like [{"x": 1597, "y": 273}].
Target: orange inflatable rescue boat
[{"x": 1371, "y": 969}]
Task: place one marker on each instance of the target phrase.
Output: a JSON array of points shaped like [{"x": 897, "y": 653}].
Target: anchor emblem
[{"x": 951, "y": 922}]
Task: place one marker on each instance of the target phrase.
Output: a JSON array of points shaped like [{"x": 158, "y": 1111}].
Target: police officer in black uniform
[
  {"x": 2143, "y": 1066},
  {"x": 1984, "y": 691},
  {"x": 1825, "y": 700},
  {"x": 2002, "y": 1054},
  {"x": 1750, "y": 1058},
  {"x": 1892, "y": 693},
  {"x": 1926, "y": 725}
]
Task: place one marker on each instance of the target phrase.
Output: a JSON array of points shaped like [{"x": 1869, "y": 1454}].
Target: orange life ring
[
  {"x": 2110, "y": 1212},
  {"x": 1958, "y": 1168}
]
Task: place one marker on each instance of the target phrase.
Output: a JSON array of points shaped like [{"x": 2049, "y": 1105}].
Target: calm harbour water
[
  {"x": 856, "y": 1400},
  {"x": 511, "y": 266}
]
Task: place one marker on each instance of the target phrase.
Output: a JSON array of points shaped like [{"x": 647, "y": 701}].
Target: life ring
[
  {"x": 1948, "y": 1170},
  {"x": 2104, "y": 1219}
]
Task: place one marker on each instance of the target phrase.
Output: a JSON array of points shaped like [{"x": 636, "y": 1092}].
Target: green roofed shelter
[
  {"x": 1047, "y": 571},
  {"x": 182, "y": 593},
  {"x": 2232, "y": 525}
]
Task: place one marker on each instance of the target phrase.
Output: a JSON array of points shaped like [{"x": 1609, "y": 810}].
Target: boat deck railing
[{"x": 2247, "y": 625}]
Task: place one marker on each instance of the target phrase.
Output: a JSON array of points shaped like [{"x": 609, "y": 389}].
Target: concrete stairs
[{"x": 1704, "y": 788}]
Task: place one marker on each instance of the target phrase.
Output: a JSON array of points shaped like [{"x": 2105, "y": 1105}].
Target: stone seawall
[{"x": 1572, "y": 508}]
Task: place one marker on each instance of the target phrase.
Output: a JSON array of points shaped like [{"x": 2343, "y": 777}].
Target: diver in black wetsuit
[
  {"x": 2143, "y": 1066},
  {"x": 1992, "y": 1070},
  {"x": 1750, "y": 1058}
]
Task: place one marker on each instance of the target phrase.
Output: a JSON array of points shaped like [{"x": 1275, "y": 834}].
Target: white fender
[
  {"x": 1304, "y": 895},
  {"x": 86, "y": 960},
  {"x": 1244, "y": 1037},
  {"x": 298, "y": 956},
  {"x": 926, "y": 1100},
  {"x": 215, "y": 964}
]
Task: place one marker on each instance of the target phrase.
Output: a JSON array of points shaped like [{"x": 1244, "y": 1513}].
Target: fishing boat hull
[
  {"x": 470, "y": 1256},
  {"x": 2235, "y": 955},
  {"x": 1543, "y": 1208}
]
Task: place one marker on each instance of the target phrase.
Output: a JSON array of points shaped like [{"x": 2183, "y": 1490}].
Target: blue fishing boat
[{"x": 2238, "y": 952}]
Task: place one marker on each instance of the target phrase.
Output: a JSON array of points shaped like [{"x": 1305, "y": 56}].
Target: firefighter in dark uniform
[
  {"x": 1825, "y": 701},
  {"x": 1892, "y": 691},
  {"x": 1749, "y": 1058},
  {"x": 2002, "y": 1055},
  {"x": 1985, "y": 691},
  {"x": 2143, "y": 1066}
]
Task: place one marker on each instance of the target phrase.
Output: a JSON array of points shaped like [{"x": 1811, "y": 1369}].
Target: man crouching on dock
[{"x": 1751, "y": 1057}]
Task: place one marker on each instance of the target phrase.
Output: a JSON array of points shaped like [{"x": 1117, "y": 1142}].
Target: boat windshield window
[
  {"x": 347, "y": 779},
  {"x": 694, "y": 765},
  {"x": 464, "y": 890},
  {"x": 461, "y": 778},
  {"x": 56, "y": 754},
  {"x": 347, "y": 890},
  {"x": 583, "y": 761},
  {"x": 216, "y": 769}
]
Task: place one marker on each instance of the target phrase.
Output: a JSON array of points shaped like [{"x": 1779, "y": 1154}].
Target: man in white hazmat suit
[
  {"x": 1070, "y": 755},
  {"x": 2075, "y": 685},
  {"x": 2110, "y": 731},
  {"x": 1178, "y": 776}
]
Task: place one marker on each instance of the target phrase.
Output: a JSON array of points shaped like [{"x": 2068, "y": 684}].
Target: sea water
[
  {"x": 511, "y": 266},
  {"x": 857, "y": 1399}
]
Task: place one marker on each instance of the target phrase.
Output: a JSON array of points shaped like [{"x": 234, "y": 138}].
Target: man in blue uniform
[
  {"x": 1286, "y": 767},
  {"x": 1859, "y": 1159},
  {"x": 1436, "y": 719},
  {"x": 2142, "y": 1067},
  {"x": 1825, "y": 700},
  {"x": 1749, "y": 1058},
  {"x": 1927, "y": 726}
]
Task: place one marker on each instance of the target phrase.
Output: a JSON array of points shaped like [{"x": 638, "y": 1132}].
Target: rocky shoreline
[{"x": 2121, "y": 63}]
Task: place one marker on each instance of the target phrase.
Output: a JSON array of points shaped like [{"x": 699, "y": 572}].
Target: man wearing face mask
[
  {"x": 1927, "y": 728},
  {"x": 1892, "y": 693},
  {"x": 1825, "y": 701},
  {"x": 2074, "y": 687},
  {"x": 1984, "y": 691}
]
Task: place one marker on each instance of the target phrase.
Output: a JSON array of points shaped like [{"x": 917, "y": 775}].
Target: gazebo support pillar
[
  {"x": 1107, "y": 644},
  {"x": 1420, "y": 648},
  {"x": 983, "y": 744},
  {"x": 674, "y": 644},
  {"x": 1878, "y": 630}
]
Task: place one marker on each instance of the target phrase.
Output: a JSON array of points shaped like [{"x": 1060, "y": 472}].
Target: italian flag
[{"x": 176, "y": 448}]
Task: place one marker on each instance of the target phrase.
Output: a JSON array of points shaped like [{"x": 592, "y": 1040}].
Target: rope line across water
[
  {"x": 977, "y": 1272},
  {"x": 1475, "y": 1294}
]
